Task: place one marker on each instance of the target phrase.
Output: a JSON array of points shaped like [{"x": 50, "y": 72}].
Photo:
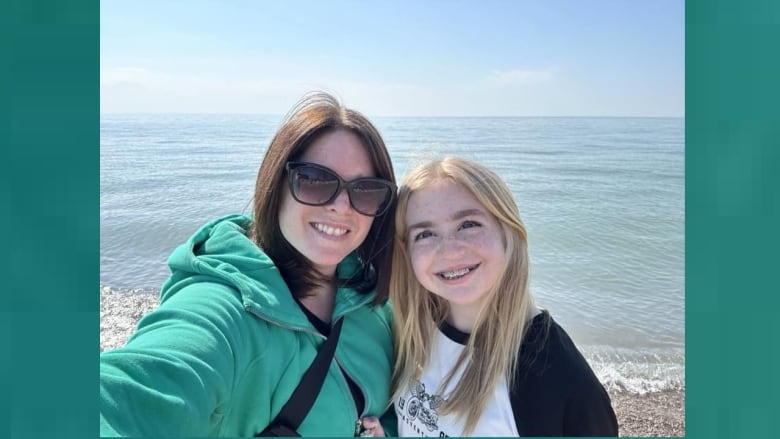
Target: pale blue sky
[{"x": 396, "y": 58}]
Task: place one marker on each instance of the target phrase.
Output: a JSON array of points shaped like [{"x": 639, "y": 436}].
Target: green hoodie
[{"x": 228, "y": 344}]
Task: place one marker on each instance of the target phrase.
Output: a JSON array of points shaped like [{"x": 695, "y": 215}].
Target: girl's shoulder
[{"x": 549, "y": 352}]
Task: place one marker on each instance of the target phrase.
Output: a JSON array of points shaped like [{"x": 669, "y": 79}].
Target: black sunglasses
[{"x": 316, "y": 185}]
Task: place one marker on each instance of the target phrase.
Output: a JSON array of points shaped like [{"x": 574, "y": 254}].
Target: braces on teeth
[{"x": 455, "y": 274}]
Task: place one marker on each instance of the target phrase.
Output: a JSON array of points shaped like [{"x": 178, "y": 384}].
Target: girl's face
[
  {"x": 456, "y": 246},
  {"x": 327, "y": 234}
]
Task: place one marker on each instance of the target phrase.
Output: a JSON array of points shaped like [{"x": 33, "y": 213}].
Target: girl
[
  {"x": 251, "y": 299},
  {"x": 474, "y": 355}
]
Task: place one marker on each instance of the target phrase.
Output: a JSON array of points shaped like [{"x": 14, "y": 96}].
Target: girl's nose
[{"x": 451, "y": 245}]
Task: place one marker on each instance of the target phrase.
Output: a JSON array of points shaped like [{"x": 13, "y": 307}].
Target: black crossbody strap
[{"x": 302, "y": 399}]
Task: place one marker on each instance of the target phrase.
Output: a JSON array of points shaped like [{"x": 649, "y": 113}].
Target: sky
[{"x": 396, "y": 58}]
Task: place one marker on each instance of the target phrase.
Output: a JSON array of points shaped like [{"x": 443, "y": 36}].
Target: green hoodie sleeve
[{"x": 177, "y": 371}]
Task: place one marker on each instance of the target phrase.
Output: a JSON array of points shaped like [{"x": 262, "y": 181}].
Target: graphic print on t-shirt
[{"x": 421, "y": 406}]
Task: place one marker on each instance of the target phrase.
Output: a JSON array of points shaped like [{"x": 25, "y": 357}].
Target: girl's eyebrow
[
  {"x": 466, "y": 212},
  {"x": 456, "y": 216}
]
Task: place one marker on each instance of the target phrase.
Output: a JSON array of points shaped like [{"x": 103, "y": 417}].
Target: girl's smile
[{"x": 458, "y": 274}]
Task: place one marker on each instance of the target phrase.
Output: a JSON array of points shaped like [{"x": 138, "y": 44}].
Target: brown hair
[{"x": 315, "y": 114}]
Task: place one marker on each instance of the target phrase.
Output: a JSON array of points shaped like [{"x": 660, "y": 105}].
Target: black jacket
[{"x": 555, "y": 392}]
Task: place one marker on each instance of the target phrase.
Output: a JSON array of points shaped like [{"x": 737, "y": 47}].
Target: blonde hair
[{"x": 493, "y": 346}]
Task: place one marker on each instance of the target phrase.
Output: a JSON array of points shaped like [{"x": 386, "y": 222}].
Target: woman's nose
[{"x": 341, "y": 202}]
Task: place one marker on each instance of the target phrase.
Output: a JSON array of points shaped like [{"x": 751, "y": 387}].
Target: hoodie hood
[{"x": 221, "y": 252}]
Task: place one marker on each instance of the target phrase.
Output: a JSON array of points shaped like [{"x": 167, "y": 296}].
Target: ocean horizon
[{"x": 603, "y": 199}]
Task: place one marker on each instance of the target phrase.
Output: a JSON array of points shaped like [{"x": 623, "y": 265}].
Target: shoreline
[{"x": 651, "y": 414}]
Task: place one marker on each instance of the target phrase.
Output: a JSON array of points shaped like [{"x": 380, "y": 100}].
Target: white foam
[{"x": 638, "y": 372}]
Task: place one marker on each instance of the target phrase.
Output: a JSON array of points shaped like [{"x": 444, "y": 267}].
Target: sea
[{"x": 603, "y": 200}]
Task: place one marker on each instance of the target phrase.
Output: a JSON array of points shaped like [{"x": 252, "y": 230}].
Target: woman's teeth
[{"x": 332, "y": 231}]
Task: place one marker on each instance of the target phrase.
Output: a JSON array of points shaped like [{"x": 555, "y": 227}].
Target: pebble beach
[{"x": 653, "y": 414}]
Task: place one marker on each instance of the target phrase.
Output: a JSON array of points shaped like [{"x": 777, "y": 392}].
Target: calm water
[{"x": 602, "y": 198}]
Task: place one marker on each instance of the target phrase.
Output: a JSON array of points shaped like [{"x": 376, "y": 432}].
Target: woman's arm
[{"x": 177, "y": 370}]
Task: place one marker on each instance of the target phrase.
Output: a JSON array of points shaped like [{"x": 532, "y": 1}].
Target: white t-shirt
[{"x": 417, "y": 406}]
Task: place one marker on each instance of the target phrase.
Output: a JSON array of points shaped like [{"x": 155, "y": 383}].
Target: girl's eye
[
  {"x": 469, "y": 224},
  {"x": 422, "y": 235}
]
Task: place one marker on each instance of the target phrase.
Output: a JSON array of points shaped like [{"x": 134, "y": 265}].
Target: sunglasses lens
[
  {"x": 370, "y": 197},
  {"x": 313, "y": 185},
  {"x": 317, "y": 186}
]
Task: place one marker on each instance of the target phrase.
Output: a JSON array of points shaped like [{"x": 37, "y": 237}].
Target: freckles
[
  {"x": 416, "y": 256},
  {"x": 418, "y": 268},
  {"x": 423, "y": 246},
  {"x": 478, "y": 239}
]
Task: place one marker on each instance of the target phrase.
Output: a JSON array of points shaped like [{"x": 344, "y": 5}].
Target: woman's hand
[{"x": 372, "y": 427}]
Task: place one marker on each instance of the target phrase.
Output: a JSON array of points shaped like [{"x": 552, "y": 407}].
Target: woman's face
[
  {"x": 327, "y": 234},
  {"x": 456, "y": 246}
]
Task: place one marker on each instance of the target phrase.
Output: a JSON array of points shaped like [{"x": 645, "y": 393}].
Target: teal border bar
[
  {"x": 49, "y": 227},
  {"x": 732, "y": 218}
]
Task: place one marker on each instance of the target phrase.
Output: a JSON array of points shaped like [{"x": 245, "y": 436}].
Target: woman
[
  {"x": 250, "y": 300},
  {"x": 474, "y": 355}
]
